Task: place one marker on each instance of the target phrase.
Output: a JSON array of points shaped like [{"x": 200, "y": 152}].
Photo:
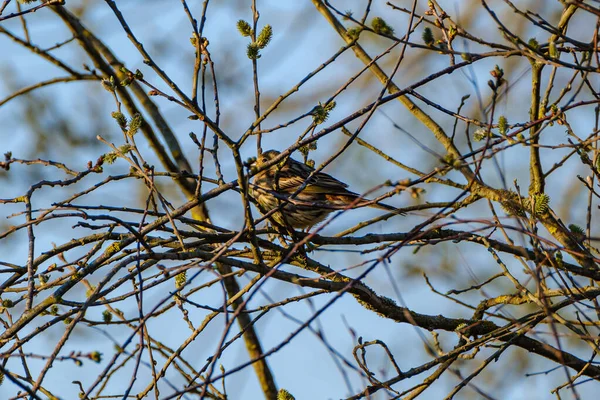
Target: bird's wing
[
  {"x": 290, "y": 179},
  {"x": 322, "y": 182}
]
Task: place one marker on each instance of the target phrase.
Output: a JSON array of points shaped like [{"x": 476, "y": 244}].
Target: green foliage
[
  {"x": 321, "y": 112},
  {"x": 380, "y": 26},
  {"x": 537, "y": 204},
  {"x": 263, "y": 39},
  {"x": 428, "y": 37},
  {"x": 244, "y": 28}
]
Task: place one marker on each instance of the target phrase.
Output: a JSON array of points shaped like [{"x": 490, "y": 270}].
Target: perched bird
[{"x": 276, "y": 187}]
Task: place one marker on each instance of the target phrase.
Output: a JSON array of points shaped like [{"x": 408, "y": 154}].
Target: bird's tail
[
  {"x": 383, "y": 206},
  {"x": 344, "y": 199}
]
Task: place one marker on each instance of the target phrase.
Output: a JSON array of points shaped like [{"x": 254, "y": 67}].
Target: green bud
[
  {"x": 576, "y": 230},
  {"x": 533, "y": 43},
  {"x": 180, "y": 280},
  {"x": 264, "y": 37},
  {"x": 96, "y": 357},
  {"x": 354, "y": 33},
  {"x": 108, "y": 84},
  {"x": 502, "y": 125},
  {"x": 126, "y": 82},
  {"x": 284, "y": 395},
  {"x": 428, "y": 37},
  {"x": 120, "y": 118},
  {"x": 321, "y": 112},
  {"x": 480, "y": 134},
  {"x": 380, "y": 26},
  {"x": 541, "y": 202},
  {"x": 452, "y": 32},
  {"x": 110, "y": 158},
  {"x": 7, "y": 303},
  {"x": 134, "y": 125},
  {"x": 253, "y": 51},
  {"x": 244, "y": 28},
  {"x": 497, "y": 73},
  {"x": 106, "y": 316}
]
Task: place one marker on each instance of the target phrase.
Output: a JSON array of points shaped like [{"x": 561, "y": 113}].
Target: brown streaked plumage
[{"x": 322, "y": 195}]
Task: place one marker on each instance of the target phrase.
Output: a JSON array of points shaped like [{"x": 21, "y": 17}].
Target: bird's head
[
  {"x": 262, "y": 159},
  {"x": 266, "y": 156}
]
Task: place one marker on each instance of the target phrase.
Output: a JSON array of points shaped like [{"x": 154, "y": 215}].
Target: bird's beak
[{"x": 250, "y": 163}]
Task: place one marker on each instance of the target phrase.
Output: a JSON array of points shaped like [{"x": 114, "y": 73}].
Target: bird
[{"x": 275, "y": 187}]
